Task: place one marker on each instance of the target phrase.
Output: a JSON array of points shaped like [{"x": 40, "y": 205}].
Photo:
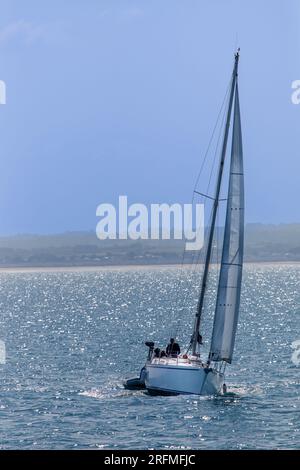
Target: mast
[{"x": 194, "y": 340}]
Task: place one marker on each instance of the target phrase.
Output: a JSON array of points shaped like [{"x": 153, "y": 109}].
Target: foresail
[{"x": 229, "y": 288}]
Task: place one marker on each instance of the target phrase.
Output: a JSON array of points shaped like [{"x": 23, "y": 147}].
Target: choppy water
[{"x": 72, "y": 337}]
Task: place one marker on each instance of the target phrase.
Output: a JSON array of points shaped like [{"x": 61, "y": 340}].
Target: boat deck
[{"x": 190, "y": 361}]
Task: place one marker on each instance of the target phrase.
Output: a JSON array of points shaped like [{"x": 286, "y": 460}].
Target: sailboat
[{"x": 188, "y": 373}]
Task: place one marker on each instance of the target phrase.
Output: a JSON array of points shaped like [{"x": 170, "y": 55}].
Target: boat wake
[
  {"x": 245, "y": 390},
  {"x": 109, "y": 391},
  {"x": 241, "y": 391}
]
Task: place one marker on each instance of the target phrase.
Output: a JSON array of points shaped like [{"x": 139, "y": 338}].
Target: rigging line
[
  {"x": 213, "y": 209},
  {"x": 192, "y": 270},
  {"x": 204, "y": 195},
  {"x": 205, "y": 157},
  {"x": 210, "y": 141},
  {"x": 205, "y": 301},
  {"x": 212, "y": 136},
  {"x": 200, "y": 255},
  {"x": 196, "y": 183},
  {"x": 197, "y": 256},
  {"x": 217, "y": 148},
  {"x": 217, "y": 236}
]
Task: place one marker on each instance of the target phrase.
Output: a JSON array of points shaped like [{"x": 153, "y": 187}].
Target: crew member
[{"x": 173, "y": 348}]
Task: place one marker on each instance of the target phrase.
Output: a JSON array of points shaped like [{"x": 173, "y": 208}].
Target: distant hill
[{"x": 262, "y": 243}]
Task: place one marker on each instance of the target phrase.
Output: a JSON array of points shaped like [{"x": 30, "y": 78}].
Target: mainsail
[{"x": 229, "y": 288}]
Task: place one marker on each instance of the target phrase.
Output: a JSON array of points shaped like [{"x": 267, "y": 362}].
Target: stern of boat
[{"x": 173, "y": 376}]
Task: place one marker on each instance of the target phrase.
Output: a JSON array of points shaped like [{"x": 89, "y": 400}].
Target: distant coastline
[
  {"x": 263, "y": 244},
  {"x": 129, "y": 267}
]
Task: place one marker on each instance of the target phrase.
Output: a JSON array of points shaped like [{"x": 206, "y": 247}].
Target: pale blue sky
[{"x": 120, "y": 97}]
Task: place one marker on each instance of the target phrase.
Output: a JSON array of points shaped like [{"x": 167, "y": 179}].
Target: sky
[{"x": 117, "y": 97}]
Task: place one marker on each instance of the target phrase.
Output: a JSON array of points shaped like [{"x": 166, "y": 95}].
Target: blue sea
[{"x": 72, "y": 337}]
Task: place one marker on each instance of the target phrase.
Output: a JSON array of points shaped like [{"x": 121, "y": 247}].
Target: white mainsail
[{"x": 229, "y": 288}]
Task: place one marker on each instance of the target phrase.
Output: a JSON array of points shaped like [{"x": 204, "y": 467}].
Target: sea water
[{"x": 72, "y": 337}]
